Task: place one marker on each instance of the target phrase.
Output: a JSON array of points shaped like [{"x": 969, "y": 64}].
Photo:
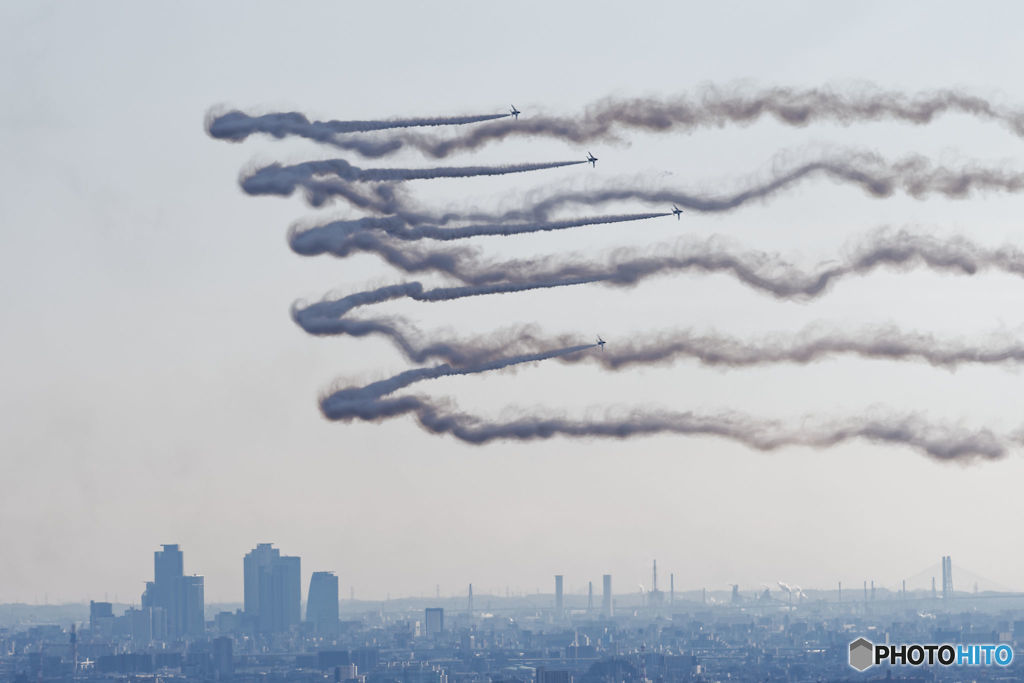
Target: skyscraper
[
  {"x": 168, "y": 567},
  {"x": 176, "y": 600},
  {"x": 558, "y": 595},
  {"x": 255, "y": 563},
  {"x": 272, "y": 588},
  {"x": 606, "y": 597},
  {"x": 322, "y": 602},
  {"x": 191, "y": 607}
]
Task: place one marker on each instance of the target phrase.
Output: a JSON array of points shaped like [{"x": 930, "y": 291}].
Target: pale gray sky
[{"x": 156, "y": 391}]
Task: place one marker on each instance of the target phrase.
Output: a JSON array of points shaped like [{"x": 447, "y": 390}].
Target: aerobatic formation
[{"x": 407, "y": 236}]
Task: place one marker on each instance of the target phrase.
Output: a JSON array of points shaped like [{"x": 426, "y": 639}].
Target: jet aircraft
[
  {"x": 515, "y": 112},
  {"x": 601, "y": 342},
  {"x": 677, "y": 211},
  {"x": 592, "y": 159}
]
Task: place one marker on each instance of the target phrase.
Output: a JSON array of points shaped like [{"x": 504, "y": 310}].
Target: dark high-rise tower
[
  {"x": 167, "y": 572},
  {"x": 193, "y": 619},
  {"x": 257, "y": 561},
  {"x": 606, "y": 597},
  {"x": 559, "y": 605},
  {"x": 272, "y": 588},
  {"x": 322, "y": 602},
  {"x": 176, "y": 601}
]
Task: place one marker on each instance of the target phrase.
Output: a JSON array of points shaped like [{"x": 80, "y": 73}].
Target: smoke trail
[
  {"x": 710, "y": 107},
  {"x": 807, "y": 346},
  {"x": 325, "y": 317},
  {"x": 283, "y": 180},
  {"x": 365, "y": 401},
  {"x": 339, "y": 237},
  {"x": 236, "y": 126},
  {"x": 759, "y": 270},
  {"x": 914, "y": 175},
  {"x": 417, "y": 348},
  {"x": 373, "y": 402}
]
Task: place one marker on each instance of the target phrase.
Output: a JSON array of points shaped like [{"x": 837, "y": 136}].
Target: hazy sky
[{"x": 155, "y": 389}]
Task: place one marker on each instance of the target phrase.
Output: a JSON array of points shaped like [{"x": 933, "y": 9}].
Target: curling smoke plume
[
  {"x": 277, "y": 179},
  {"x": 374, "y": 402},
  {"x": 236, "y": 126},
  {"x": 761, "y": 271},
  {"x": 710, "y": 107}
]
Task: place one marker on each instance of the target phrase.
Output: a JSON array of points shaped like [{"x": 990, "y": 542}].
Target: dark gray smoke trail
[
  {"x": 236, "y": 126},
  {"x": 417, "y": 348},
  {"x": 325, "y": 317},
  {"x": 364, "y": 401},
  {"x": 713, "y": 349},
  {"x": 914, "y": 175},
  {"x": 807, "y": 346},
  {"x": 373, "y": 402},
  {"x": 339, "y": 237},
  {"x": 282, "y": 180},
  {"x": 625, "y": 267},
  {"x": 711, "y": 107}
]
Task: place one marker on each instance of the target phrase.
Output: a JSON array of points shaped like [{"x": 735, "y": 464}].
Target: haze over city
[{"x": 160, "y": 387}]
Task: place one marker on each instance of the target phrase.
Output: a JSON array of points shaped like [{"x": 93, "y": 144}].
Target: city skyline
[
  {"x": 781, "y": 631},
  {"x": 265, "y": 572}
]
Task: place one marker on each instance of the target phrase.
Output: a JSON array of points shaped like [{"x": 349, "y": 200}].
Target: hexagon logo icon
[{"x": 862, "y": 654}]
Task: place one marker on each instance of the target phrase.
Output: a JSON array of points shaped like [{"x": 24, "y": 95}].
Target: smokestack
[
  {"x": 671, "y": 589},
  {"x": 840, "y": 591},
  {"x": 865, "y": 593},
  {"x": 654, "y": 578},
  {"x": 606, "y": 597},
  {"x": 590, "y": 596},
  {"x": 470, "y": 599},
  {"x": 934, "y": 595},
  {"x": 558, "y": 594},
  {"x": 904, "y": 589},
  {"x": 872, "y": 589}
]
